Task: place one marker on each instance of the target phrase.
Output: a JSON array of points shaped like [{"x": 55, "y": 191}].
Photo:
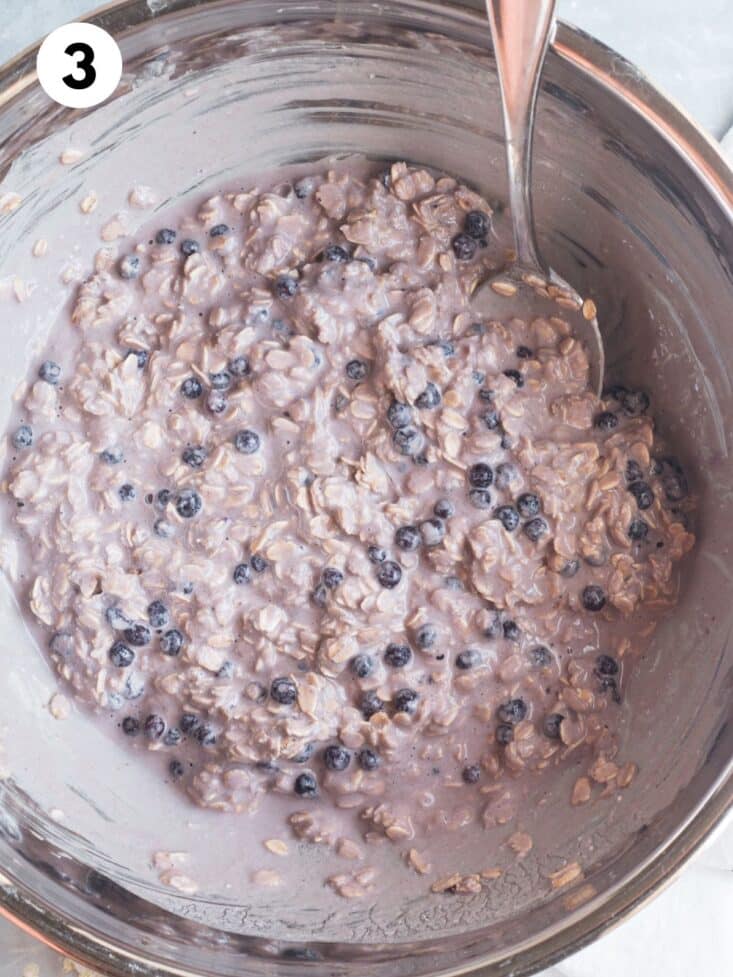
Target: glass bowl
[{"x": 635, "y": 207}]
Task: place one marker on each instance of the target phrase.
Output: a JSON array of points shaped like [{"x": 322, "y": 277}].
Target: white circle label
[{"x": 79, "y": 65}]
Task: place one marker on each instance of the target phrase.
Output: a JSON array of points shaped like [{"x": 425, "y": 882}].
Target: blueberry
[
  {"x": 541, "y": 656},
  {"x": 305, "y": 785},
  {"x": 480, "y": 475},
  {"x": 227, "y": 671},
  {"x": 606, "y": 665},
  {"x": 465, "y": 660},
  {"x": 408, "y": 538},
  {"x": 219, "y": 230},
  {"x": 191, "y": 388},
  {"x": 464, "y": 247},
  {"x": 303, "y": 188},
  {"x": 432, "y": 531},
  {"x": 189, "y": 247},
  {"x": 23, "y": 437},
  {"x": 643, "y": 494},
  {"x": 506, "y": 441},
  {"x": 141, "y": 355},
  {"x": 429, "y": 398},
  {"x": 336, "y": 758},
  {"x": 171, "y": 642},
  {"x": 638, "y": 530},
  {"x": 173, "y": 736},
  {"x": 570, "y": 569},
  {"x": 472, "y": 774},
  {"x": 508, "y": 516},
  {"x": 397, "y": 656},
  {"x": 239, "y": 367},
  {"x": 284, "y": 691},
  {"x": 138, "y": 634},
  {"x": 154, "y": 727},
  {"x": 286, "y": 286},
  {"x": 504, "y": 734},
  {"x": 634, "y": 402},
  {"x": 217, "y": 402},
  {"x": 320, "y": 595},
  {"x": 367, "y": 759},
  {"x": 50, "y": 372},
  {"x": 242, "y": 573},
  {"x": 247, "y": 442},
  {"x": 111, "y": 456},
  {"x": 189, "y": 723},
  {"x": 605, "y": 421},
  {"x": 447, "y": 348},
  {"x": 486, "y": 394},
  {"x": 407, "y": 440},
  {"x": 221, "y": 380},
  {"x": 405, "y": 700},
  {"x": 258, "y": 563},
  {"x": 176, "y": 769},
  {"x": 399, "y": 415},
  {"x": 593, "y": 598},
  {"x": 535, "y": 529},
  {"x": 356, "y": 369},
  {"x": 340, "y": 402},
  {"x": 205, "y": 735},
  {"x": 370, "y": 704},
  {"x": 334, "y": 252},
  {"x": 130, "y": 726},
  {"x": 332, "y": 578},
  {"x": 505, "y": 474},
  {"x": 166, "y": 235},
  {"x": 444, "y": 509},
  {"x": 491, "y": 419},
  {"x": 477, "y": 224},
  {"x": 674, "y": 481},
  {"x": 513, "y": 711},
  {"x": 305, "y": 753},
  {"x": 615, "y": 392},
  {"x": 163, "y": 529},
  {"x": 120, "y": 655},
  {"x": 129, "y": 267},
  {"x": 389, "y": 574},
  {"x": 188, "y": 503},
  {"x": 194, "y": 456},
  {"x": 524, "y": 353},
  {"x": 511, "y": 630},
  {"x": 480, "y": 498},
  {"x": 633, "y": 471},
  {"x": 426, "y": 636},
  {"x": 516, "y": 376},
  {"x": 126, "y": 492},
  {"x": 158, "y": 615},
  {"x": 551, "y": 725},
  {"x": 116, "y": 619},
  {"x": 528, "y": 505},
  {"x": 377, "y": 554},
  {"x": 494, "y": 628},
  {"x": 362, "y": 665}
]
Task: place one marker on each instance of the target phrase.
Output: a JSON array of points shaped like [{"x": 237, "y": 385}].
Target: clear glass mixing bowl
[{"x": 635, "y": 207}]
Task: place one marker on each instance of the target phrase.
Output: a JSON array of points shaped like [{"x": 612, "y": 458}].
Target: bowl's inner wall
[{"x": 231, "y": 90}]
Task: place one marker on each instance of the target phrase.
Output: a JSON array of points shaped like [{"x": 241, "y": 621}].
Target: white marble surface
[{"x": 687, "y": 50}]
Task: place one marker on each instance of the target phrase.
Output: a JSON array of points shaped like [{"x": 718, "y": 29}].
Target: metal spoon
[{"x": 521, "y": 31}]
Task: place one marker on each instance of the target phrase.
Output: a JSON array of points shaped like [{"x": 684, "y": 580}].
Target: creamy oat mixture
[{"x": 295, "y": 522}]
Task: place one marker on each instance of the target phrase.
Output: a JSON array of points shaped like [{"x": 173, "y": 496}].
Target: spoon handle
[{"x": 520, "y": 31}]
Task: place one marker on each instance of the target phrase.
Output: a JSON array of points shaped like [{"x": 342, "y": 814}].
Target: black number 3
[{"x": 84, "y": 64}]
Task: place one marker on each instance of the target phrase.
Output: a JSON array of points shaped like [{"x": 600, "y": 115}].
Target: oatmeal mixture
[{"x": 296, "y": 523}]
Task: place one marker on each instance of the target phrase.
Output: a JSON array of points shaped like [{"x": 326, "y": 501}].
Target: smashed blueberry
[
  {"x": 508, "y": 516},
  {"x": 638, "y": 530},
  {"x": 173, "y": 736},
  {"x": 171, "y": 642},
  {"x": 494, "y": 628},
  {"x": 426, "y": 636},
  {"x": 320, "y": 595},
  {"x": 643, "y": 494},
  {"x": 397, "y": 656},
  {"x": 480, "y": 475},
  {"x": 633, "y": 471},
  {"x": 188, "y": 503},
  {"x": 129, "y": 267},
  {"x": 191, "y": 388},
  {"x": 367, "y": 759},
  {"x": 516, "y": 376},
  {"x": 477, "y": 225},
  {"x": 141, "y": 355},
  {"x": 541, "y": 656},
  {"x": 551, "y": 725},
  {"x": 504, "y": 734},
  {"x": 205, "y": 735},
  {"x": 407, "y": 538},
  {"x": 464, "y": 247},
  {"x": 356, "y": 369},
  {"x": 242, "y": 573},
  {"x": 336, "y": 758},
  {"x": 528, "y": 505},
  {"x": 480, "y": 498},
  {"x": 163, "y": 529},
  {"x": 284, "y": 691},
  {"x": 23, "y": 437},
  {"x": 121, "y": 655},
  {"x": 217, "y": 402},
  {"x": 606, "y": 665},
  {"x": 126, "y": 492},
  {"x": 154, "y": 726},
  {"x": 429, "y": 398},
  {"x": 116, "y": 619},
  {"x": 305, "y": 785},
  {"x": 468, "y": 659},
  {"x": 221, "y": 380},
  {"x": 406, "y": 700},
  {"x": 634, "y": 402},
  {"x": 189, "y": 246},
  {"x": 176, "y": 769},
  {"x": 432, "y": 532},
  {"x": 305, "y": 754},
  {"x": 513, "y": 711},
  {"x": 158, "y": 615},
  {"x": 189, "y": 723},
  {"x": 111, "y": 456},
  {"x": 491, "y": 419},
  {"x": 472, "y": 774},
  {"x": 50, "y": 372},
  {"x": 332, "y": 578},
  {"x": 570, "y": 569},
  {"x": 362, "y": 665},
  {"x": 138, "y": 634},
  {"x": 593, "y": 598},
  {"x": 524, "y": 353},
  {"x": 334, "y": 252},
  {"x": 370, "y": 704},
  {"x": 505, "y": 474},
  {"x": 130, "y": 726},
  {"x": 389, "y": 574},
  {"x": 511, "y": 630},
  {"x": 674, "y": 481},
  {"x": 605, "y": 421},
  {"x": 194, "y": 456},
  {"x": 286, "y": 286},
  {"x": 535, "y": 529},
  {"x": 486, "y": 394}
]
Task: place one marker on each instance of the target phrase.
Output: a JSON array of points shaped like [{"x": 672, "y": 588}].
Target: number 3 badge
[{"x": 79, "y": 65}]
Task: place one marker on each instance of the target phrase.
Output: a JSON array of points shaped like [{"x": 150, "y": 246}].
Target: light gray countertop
[{"x": 686, "y": 48}]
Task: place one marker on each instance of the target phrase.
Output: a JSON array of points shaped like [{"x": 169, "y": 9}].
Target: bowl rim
[{"x": 702, "y": 154}]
